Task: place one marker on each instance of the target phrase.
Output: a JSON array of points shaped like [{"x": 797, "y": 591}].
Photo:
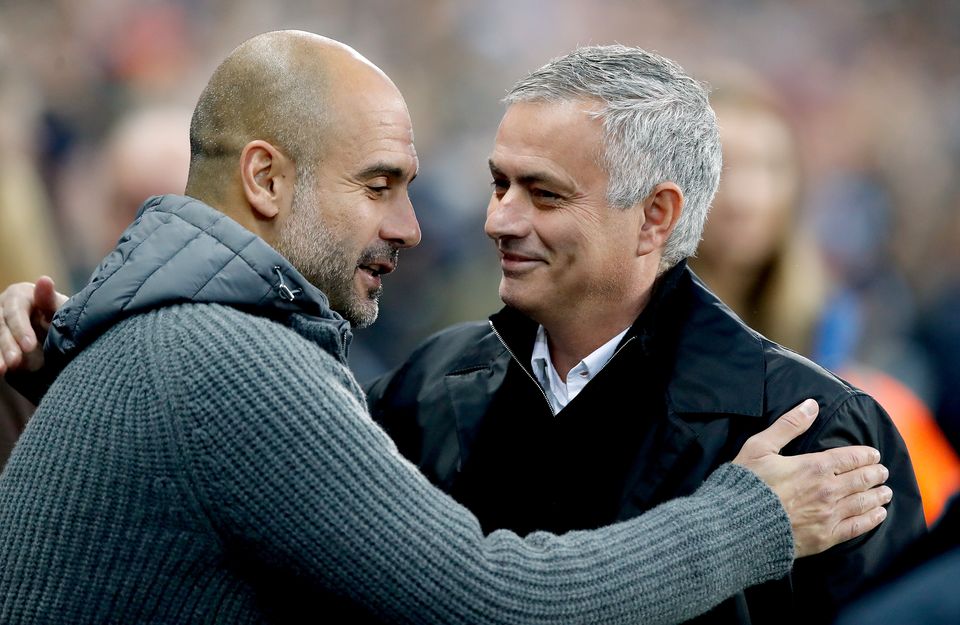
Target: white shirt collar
[{"x": 561, "y": 392}]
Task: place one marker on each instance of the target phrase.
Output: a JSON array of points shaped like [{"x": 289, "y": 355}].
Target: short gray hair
[{"x": 658, "y": 127}]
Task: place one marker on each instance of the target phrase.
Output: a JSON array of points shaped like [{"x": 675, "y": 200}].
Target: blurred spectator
[
  {"x": 938, "y": 328},
  {"x": 147, "y": 152},
  {"x": 755, "y": 255},
  {"x": 28, "y": 245}
]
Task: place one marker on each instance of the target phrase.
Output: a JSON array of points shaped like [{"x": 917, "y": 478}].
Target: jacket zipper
[
  {"x": 530, "y": 375},
  {"x": 524, "y": 369},
  {"x": 619, "y": 349}
]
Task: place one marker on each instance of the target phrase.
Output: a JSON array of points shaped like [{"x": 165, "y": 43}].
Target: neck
[
  {"x": 574, "y": 337},
  {"x": 234, "y": 205}
]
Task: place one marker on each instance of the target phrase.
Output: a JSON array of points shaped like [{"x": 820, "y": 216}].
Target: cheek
[
  {"x": 354, "y": 224},
  {"x": 564, "y": 232}
]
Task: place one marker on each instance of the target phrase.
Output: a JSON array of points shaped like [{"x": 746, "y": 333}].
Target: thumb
[{"x": 783, "y": 430}]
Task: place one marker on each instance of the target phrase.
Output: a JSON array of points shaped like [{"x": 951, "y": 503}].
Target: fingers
[
  {"x": 9, "y": 350},
  {"x": 782, "y": 431},
  {"x": 861, "y": 503},
  {"x": 827, "y": 509},
  {"x": 16, "y": 303},
  {"x": 844, "y": 459},
  {"x": 859, "y": 480},
  {"x": 859, "y": 525}
]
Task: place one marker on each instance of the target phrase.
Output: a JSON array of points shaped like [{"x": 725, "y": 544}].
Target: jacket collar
[
  {"x": 719, "y": 365},
  {"x": 651, "y": 329},
  {"x": 716, "y": 362},
  {"x": 180, "y": 250}
]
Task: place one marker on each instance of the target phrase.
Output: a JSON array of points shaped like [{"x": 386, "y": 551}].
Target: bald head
[
  {"x": 308, "y": 145},
  {"x": 277, "y": 87}
]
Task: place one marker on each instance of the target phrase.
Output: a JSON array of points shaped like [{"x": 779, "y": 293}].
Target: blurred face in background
[
  {"x": 147, "y": 154},
  {"x": 753, "y": 208}
]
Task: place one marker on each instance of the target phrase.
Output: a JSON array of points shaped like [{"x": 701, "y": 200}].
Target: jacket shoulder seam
[{"x": 828, "y": 414}]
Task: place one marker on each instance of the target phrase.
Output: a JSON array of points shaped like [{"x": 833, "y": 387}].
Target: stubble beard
[{"x": 323, "y": 259}]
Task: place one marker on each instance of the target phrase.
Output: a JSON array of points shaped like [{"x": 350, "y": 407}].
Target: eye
[
  {"x": 378, "y": 186},
  {"x": 500, "y": 186},
  {"x": 543, "y": 194}
]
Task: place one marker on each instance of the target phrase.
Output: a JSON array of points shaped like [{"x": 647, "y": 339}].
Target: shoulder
[
  {"x": 203, "y": 326},
  {"x": 204, "y": 341},
  {"x": 217, "y": 360},
  {"x": 723, "y": 366},
  {"x": 788, "y": 375},
  {"x": 453, "y": 340},
  {"x": 463, "y": 346}
]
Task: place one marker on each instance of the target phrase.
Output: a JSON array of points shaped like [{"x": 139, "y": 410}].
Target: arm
[
  {"x": 293, "y": 468},
  {"x": 830, "y": 496}
]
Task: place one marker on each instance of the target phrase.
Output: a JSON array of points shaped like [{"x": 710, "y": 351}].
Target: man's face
[
  {"x": 563, "y": 249},
  {"x": 351, "y": 214}
]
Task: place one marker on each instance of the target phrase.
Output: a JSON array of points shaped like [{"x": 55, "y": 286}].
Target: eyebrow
[
  {"x": 385, "y": 169},
  {"x": 529, "y": 178}
]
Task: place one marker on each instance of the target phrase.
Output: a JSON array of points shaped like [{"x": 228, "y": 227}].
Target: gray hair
[{"x": 658, "y": 127}]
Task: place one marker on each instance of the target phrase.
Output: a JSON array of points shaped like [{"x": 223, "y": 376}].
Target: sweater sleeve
[{"x": 289, "y": 465}]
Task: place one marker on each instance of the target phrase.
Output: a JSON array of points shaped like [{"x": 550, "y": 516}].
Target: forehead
[
  {"x": 372, "y": 124},
  {"x": 558, "y": 137}
]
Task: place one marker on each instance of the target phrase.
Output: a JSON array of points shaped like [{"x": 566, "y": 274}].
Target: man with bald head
[
  {"x": 347, "y": 219},
  {"x": 204, "y": 453}
]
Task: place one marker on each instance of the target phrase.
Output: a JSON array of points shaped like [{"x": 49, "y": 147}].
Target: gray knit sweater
[{"x": 198, "y": 463}]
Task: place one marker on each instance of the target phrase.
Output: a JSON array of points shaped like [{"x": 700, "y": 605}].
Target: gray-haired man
[{"x": 613, "y": 379}]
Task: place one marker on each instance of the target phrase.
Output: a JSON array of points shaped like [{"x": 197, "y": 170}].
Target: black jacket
[{"x": 687, "y": 386}]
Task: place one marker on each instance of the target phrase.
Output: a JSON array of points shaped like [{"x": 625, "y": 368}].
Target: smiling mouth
[
  {"x": 517, "y": 258},
  {"x": 517, "y": 265}
]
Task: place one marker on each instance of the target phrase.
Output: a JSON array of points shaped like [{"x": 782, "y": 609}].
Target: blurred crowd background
[{"x": 836, "y": 230}]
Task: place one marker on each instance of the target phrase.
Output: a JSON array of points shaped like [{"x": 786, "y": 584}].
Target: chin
[
  {"x": 515, "y": 300},
  {"x": 364, "y": 310}
]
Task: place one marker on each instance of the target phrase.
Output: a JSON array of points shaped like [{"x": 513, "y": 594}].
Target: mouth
[
  {"x": 516, "y": 262},
  {"x": 513, "y": 257},
  {"x": 377, "y": 268}
]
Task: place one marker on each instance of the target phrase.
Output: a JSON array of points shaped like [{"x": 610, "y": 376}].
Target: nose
[
  {"x": 401, "y": 227},
  {"x": 506, "y": 216}
]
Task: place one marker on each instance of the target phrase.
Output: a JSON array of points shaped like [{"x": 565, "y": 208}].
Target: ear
[
  {"x": 267, "y": 176},
  {"x": 661, "y": 210}
]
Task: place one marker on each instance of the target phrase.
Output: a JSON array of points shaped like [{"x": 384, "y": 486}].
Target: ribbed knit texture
[
  {"x": 192, "y": 452},
  {"x": 195, "y": 463}
]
